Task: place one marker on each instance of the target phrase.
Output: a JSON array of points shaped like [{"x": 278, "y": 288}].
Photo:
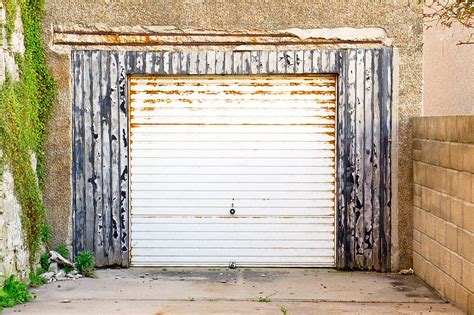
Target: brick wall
[{"x": 443, "y": 218}]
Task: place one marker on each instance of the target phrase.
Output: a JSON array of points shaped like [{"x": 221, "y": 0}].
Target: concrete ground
[{"x": 240, "y": 291}]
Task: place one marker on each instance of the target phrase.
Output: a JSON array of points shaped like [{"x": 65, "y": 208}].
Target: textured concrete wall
[
  {"x": 13, "y": 251},
  {"x": 444, "y": 206},
  {"x": 448, "y": 71},
  {"x": 401, "y": 23}
]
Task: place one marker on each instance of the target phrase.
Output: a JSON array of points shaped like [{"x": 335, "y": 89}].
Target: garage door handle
[{"x": 232, "y": 211}]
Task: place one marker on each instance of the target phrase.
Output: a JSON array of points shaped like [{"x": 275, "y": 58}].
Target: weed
[
  {"x": 35, "y": 279},
  {"x": 264, "y": 299},
  {"x": 283, "y": 310},
  {"x": 164, "y": 269},
  {"x": 191, "y": 299},
  {"x": 63, "y": 250},
  {"x": 14, "y": 292},
  {"x": 44, "y": 261},
  {"x": 85, "y": 264}
]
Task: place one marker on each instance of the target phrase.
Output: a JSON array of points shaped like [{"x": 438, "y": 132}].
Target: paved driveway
[{"x": 240, "y": 291}]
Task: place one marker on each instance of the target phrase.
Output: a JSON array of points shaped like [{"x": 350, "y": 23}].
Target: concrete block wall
[{"x": 443, "y": 218}]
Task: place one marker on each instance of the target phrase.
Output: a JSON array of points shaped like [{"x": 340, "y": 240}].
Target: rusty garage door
[{"x": 232, "y": 169}]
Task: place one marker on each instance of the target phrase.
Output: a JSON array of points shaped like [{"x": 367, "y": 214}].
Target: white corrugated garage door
[{"x": 232, "y": 169}]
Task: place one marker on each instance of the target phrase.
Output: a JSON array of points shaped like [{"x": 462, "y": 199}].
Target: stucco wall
[
  {"x": 448, "y": 71},
  {"x": 401, "y": 23}
]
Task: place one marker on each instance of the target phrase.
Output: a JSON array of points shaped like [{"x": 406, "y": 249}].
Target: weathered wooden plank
[
  {"x": 220, "y": 62},
  {"x": 263, "y": 64},
  {"x": 359, "y": 158},
  {"x": 211, "y": 62},
  {"x": 96, "y": 180},
  {"x": 255, "y": 62},
  {"x": 237, "y": 62},
  {"x": 308, "y": 61},
  {"x": 299, "y": 61},
  {"x": 376, "y": 184},
  {"x": 272, "y": 62},
  {"x": 123, "y": 162},
  {"x": 368, "y": 160},
  {"x": 183, "y": 62},
  {"x": 386, "y": 149},
  {"x": 350, "y": 168},
  {"x": 193, "y": 62},
  {"x": 114, "y": 126},
  {"x": 78, "y": 156},
  {"x": 166, "y": 62},
  {"x": 245, "y": 62},
  {"x": 342, "y": 240},
  {"x": 175, "y": 59},
  {"x": 316, "y": 62},
  {"x": 140, "y": 62},
  {"x": 325, "y": 61},
  {"x": 228, "y": 62},
  {"x": 282, "y": 62},
  {"x": 89, "y": 217},
  {"x": 202, "y": 62},
  {"x": 149, "y": 61}
]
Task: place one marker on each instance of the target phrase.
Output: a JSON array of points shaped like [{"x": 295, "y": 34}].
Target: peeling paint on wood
[{"x": 101, "y": 135}]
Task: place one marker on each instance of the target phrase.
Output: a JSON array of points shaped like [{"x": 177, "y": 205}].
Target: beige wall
[
  {"x": 448, "y": 71},
  {"x": 401, "y": 23},
  {"x": 444, "y": 206}
]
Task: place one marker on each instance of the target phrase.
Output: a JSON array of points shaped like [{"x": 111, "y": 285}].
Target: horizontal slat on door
[
  {"x": 233, "y": 162},
  {"x": 261, "y": 146},
  {"x": 236, "y": 170}
]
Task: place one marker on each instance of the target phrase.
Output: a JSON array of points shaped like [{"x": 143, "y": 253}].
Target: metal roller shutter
[{"x": 261, "y": 147}]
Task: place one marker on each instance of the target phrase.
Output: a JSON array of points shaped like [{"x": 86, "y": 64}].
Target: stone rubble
[{"x": 57, "y": 269}]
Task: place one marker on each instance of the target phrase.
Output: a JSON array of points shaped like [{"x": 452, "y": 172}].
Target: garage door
[{"x": 232, "y": 169}]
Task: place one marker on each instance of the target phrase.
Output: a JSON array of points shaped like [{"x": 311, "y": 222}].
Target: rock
[
  {"x": 61, "y": 275},
  {"x": 55, "y": 256},
  {"x": 53, "y": 267},
  {"x": 79, "y": 276},
  {"x": 48, "y": 275},
  {"x": 66, "y": 301},
  {"x": 70, "y": 275},
  {"x": 407, "y": 272}
]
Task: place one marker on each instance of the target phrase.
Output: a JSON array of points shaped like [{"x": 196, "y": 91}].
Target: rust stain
[
  {"x": 232, "y": 92},
  {"x": 310, "y": 93}
]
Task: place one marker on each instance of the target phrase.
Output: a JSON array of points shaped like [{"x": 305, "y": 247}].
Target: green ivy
[
  {"x": 10, "y": 10},
  {"x": 25, "y": 108}
]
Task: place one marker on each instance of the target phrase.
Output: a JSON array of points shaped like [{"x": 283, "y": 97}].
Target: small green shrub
[
  {"x": 63, "y": 250},
  {"x": 35, "y": 279},
  {"x": 47, "y": 233},
  {"x": 85, "y": 263},
  {"x": 44, "y": 261},
  {"x": 14, "y": 292}
]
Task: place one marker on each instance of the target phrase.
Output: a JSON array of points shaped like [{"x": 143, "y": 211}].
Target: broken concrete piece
[
  {"x": 55, "y": 256},
  {"x": 54, "y": 267},
  {"x": 48, "y": 275}
]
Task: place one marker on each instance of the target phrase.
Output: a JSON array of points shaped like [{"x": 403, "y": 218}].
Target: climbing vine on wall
[{"x": 24, "y": 111}]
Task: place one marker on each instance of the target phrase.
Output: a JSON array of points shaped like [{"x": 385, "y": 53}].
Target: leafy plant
[
  {"x": 36, "y": 280},
  {"x": 24, "y": 111},
  {"x": 63, "y": 250},
  {"x": 14, "y": 292},
  {"x": 283, "y": 310},
  {"x": 44, "y": 261},
  {"x": 85, "y": 264},
  {"x": 448, "y": 13}
]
